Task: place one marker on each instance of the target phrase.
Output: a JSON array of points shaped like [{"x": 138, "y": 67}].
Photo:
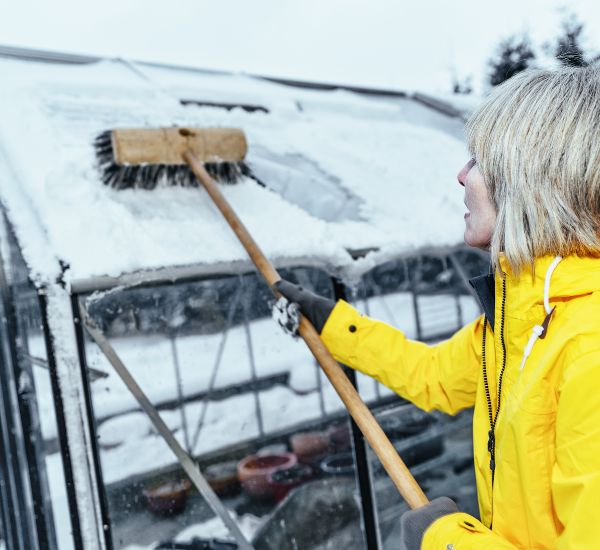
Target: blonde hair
[{"x": 536, "y": 141}]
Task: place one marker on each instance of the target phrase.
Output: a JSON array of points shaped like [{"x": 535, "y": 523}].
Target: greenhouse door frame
[{"x": 363, "y": 472}]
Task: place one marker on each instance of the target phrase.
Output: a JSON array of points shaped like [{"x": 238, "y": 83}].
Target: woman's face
[{"x": 481, "y": 215}]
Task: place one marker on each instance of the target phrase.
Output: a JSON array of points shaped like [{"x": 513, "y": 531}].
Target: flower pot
[
  {"x": 340, "y": 437},
  {"x": 167, "y": 498},
  {"x": 254, "y": 470},
  {"x": 341, "y": 464},
  {"x": 284, "y": 480},
  {"x": 310, "y": 447},
  {"x": 223, "y": 478},
  {"x": 406, "y": 425}
]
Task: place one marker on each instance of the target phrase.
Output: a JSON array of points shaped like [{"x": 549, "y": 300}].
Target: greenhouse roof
[{"x": 343, "y": 171}]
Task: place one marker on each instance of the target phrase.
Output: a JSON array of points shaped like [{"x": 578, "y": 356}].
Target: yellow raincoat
[{"x": 546, "y": 489}]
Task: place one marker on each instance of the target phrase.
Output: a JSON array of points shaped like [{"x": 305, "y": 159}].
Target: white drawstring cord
[
  {"x": 538, "y": 330},
  {"x": 549, "y": 272}
]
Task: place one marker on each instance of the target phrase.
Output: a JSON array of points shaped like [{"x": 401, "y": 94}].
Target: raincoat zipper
[{"x": 494, "y": 418}]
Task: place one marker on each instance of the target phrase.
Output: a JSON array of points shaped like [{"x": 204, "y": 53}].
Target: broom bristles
[{"x": 148, "y": 176}]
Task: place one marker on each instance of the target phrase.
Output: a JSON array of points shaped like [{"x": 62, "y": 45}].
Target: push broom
[{"x": 189, "y": 156}]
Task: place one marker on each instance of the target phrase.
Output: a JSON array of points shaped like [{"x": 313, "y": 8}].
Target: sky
[{"x": 377, "y": 43}]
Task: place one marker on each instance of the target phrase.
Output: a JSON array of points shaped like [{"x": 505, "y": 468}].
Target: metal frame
[
  {"x": 25, "y": 504},
  {"x": 78, "y": 327},
  {"x": 195, "y": 272},
  {"x": 38, "y": 478},
  {"x": 32, "y": 493},
  {"x": 361, "y": 459},
  {"x": 14, "y": 507},
  {"x": 61, "y": 426}
]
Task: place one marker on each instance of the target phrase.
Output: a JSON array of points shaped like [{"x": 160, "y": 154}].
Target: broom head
[{"x": 145, "y": 157}]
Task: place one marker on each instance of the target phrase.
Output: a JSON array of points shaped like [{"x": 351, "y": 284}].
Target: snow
[
  {"x": 60, "y": 505},
  {"x": 212, "y": 528},
  {"x": 71, "y": 388},
  {"x": 280, "y": 408},
  {"x": 394, "y": 178},
  {"x": 150, "y": 359}
]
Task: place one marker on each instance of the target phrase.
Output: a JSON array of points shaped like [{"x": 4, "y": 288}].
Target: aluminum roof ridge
[{"x": 173, "y": 274}]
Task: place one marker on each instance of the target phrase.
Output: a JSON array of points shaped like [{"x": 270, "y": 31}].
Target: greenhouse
[{"x": 351, "y": 194}]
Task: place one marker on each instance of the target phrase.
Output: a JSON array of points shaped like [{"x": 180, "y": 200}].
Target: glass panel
[
  {"x": 36, "y": 407},
  {"x": 438, "y": 450},
  {"x": 427, "y": 299},
  {"x": 245, "y": 399}
]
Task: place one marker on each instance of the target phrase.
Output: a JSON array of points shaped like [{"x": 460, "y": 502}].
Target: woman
[{"x": 530, "y": 366}]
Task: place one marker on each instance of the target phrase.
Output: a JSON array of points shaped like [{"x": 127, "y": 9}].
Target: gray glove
[
  {"x": 414, "y": 523},
  {"x": 314, "y": 307}
]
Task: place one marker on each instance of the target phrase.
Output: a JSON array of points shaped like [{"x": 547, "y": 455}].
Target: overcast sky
[{"x": 398, "y": 44}]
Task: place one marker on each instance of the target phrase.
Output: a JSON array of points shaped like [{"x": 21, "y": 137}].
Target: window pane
[
  {"x": 439, "y": 453},
  {"x": 242, "y": 397}
]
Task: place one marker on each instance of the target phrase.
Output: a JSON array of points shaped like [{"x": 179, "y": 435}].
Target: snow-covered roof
[{"x": 343, "y": 171}]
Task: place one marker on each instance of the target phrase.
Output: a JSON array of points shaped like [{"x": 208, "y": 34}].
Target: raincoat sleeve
[
  {"x": 576, "y": 471},
  {"x": 462, "y": 532},
  {"x": 442, "y": 377}
]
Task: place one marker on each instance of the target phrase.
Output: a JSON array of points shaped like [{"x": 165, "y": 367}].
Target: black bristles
[{"x": 148, "y": 176}]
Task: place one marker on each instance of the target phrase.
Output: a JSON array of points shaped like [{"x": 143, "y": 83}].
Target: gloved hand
[
  {"x": 414, "y": 523},
  {"x": 314, "y": 307}
]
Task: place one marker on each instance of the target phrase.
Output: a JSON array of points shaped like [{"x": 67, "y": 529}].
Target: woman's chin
[{"x": 475, "y": 241}]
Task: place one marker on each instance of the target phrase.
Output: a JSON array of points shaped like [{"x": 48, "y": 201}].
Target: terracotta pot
[
  {"x": 284, "y": 480},
  {"x": 341, "y": 464},
  {"x": 223, "y": 478},
  {"x": 340, "y": 437},
  {"x": 167, "y": 498},
  {"x": 254, "y": 470},
  {"x": 310, "y": 447}
]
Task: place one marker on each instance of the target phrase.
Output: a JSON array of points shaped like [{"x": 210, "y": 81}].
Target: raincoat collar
[
  {"x": 574, "y": 276},
  {"x": 484, "y": 286}
]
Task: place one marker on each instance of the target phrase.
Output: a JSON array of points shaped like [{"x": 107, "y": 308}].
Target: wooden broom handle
[{"x": 381, "y": 445}]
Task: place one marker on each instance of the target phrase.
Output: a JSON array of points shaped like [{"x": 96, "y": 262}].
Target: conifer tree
[
  {"x": 568, "y": 47},
  {"x": 514, "y": 54}
]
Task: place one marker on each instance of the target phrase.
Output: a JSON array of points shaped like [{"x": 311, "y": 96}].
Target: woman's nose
[{"x": 464, "y": 171}]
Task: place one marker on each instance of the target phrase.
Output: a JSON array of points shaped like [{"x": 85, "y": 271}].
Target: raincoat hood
[{"x": 577, "y": 276}]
